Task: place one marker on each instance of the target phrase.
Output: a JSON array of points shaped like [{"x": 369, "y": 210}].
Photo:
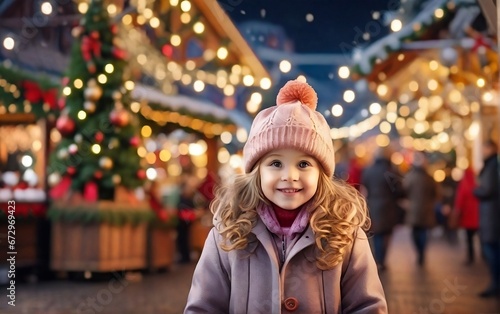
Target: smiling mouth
[{"x": 289, "y": 190}]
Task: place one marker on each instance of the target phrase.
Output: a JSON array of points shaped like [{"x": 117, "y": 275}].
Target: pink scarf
[{"x": 268, "y": 216}]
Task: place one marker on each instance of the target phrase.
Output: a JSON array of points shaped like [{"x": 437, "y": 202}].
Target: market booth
[
  {"x": 437, "y": 77},
  {"x": 27, "y": 109}
]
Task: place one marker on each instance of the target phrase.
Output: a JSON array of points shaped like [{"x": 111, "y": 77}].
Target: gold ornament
[
  {"x": 116, "y": 179},
  {"x": 89, "y": 106},
  {"x": 93, "y": 93},
  {"x": 106, "y": 163}
]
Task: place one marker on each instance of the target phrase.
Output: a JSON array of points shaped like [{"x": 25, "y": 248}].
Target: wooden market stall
[
  {"x": 438, "y": 78},
  {"x": 200, "y": 63},
  {"x": 27, "y": 109}
]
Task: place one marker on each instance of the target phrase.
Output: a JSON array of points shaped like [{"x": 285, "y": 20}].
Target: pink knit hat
[{"x": 292, "y": 123}]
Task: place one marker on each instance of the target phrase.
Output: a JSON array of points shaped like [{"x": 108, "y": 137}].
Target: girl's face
[{"x": 289, "y": 178}]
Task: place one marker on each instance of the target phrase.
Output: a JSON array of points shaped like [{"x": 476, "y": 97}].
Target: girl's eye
[
  {"x": 275, "y": 163},
  {"x": 304, "y": 164}
]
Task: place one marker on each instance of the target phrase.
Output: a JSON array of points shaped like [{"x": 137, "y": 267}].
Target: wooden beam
[
  {"x": 489, "y": 11},
  {"x": 17, "y": 118},
  {"x": 224, "y": 26}
]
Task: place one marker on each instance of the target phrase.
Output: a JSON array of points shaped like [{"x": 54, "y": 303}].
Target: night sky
[{"x": 338, "y": 25}]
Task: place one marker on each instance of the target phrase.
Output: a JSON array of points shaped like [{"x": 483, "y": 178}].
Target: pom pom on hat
[
  {"x": 293, "y": 123},
  {"x": 296, "y": 90}
]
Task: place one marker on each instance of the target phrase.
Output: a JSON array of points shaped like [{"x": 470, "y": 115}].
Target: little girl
[{"x": 287, "y": 237}]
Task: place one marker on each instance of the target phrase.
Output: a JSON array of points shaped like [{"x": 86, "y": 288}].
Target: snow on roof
[
  {"x": 195, "y": 106},
  {"x": 363, "y": 59}
]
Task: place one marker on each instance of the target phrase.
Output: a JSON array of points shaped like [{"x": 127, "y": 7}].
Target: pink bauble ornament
[
  {"x": 65, "y": 125},
  {"x": 135, "y": 141}
]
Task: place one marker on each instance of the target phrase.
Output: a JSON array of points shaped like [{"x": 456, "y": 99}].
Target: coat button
[{"x": 291, "y": 304}]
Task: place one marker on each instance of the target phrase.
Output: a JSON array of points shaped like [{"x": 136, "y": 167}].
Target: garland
[
  {"x": 87, "y": 215},
  {"x": 113, "y": 217},
  {"x": 27, "y": 92}
]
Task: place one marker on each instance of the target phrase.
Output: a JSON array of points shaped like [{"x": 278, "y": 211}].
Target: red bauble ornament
[
  {"x": 135, "y": 141},
  {"x": 141, "y": 174},
  {"x": 99, "y": 137},
  {"x": 114, "y": 29},
  {"x": 119, "y": 117},
  {"x": 94, "y": 35},
  {"x": 98, "y": 174},
  {"x": 65, "y": 125},
  {"x": 71, "y": 170}
]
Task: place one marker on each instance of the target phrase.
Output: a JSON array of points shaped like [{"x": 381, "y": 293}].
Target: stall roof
[{"x": 425, "y": 25}]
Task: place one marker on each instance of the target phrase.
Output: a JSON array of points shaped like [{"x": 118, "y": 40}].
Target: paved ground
[{"x": 444, "y": 285}]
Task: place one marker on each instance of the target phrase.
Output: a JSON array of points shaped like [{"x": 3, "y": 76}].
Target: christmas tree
[{"x": 99, "y": 142}]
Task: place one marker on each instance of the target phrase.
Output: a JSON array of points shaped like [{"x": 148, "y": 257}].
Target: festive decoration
[
  {"x": 119, "y": 117},
  {"x": 93, "y": 92},
  {"x": 89, "y": 106},
  {"x": 25, "y": 93},
  {"x": 34, "y": 94},
  {"x": 115, "y": 217},
  {"x": 90, "y": 193},
  {"x": 97, "y": 126},
  {"x": 135, "y": 141},
  {"x": 65, "y": 125},
  {"x": 99, "y": 136},
  {"x": 106, "y": 163}
]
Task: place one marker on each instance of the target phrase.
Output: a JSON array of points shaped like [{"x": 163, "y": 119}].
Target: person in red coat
[{"x": 467, "y": 210}]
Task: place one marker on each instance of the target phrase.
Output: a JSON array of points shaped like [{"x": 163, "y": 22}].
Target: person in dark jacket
[
  {"x": 489, "y": 216},
  {"x": 187, "y": 214},
  {"x": 381, "y": 183},
  {"x": 421, "y": 191}
]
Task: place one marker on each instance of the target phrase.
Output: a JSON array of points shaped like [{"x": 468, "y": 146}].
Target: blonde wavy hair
[{"x": 337, "y": 211}]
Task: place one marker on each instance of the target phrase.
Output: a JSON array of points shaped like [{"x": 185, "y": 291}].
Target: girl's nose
[{"x": 290, "y": 174}]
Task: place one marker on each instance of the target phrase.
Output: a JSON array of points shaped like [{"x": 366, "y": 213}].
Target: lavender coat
[{"x": 250, "y": 281}]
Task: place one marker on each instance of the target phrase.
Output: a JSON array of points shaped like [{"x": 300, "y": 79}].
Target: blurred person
[
  {"x": 466, "y": 211},
  {"x": 354, "y": 170},
  {"x": 287, "y": 236},
  {"x": 488, "y": 194},
  {"x": 381, "y": 183},
  {"x": 187, "y": 213},
  {"x": 421, "y": 192},
  {"x": 444, "y": 208}
]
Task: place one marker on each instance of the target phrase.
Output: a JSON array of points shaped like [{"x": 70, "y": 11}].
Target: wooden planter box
[
  {"x": 199, "y": 231},
  {"x": 161, "y": 248},
  {"x": 99, "y": 247},
  {"x": 25, "y": 243}
]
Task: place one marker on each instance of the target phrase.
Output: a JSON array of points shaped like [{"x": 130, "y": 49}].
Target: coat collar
[{"x": 263, "y": 235}]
